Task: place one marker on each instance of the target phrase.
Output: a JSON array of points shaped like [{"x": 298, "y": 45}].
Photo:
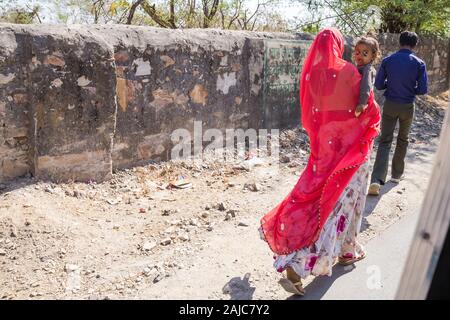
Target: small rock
[
  {"x": 242, "y": 224},
  {"x": 184, "y": 237},
  {"x": 399, "y": 192},
  {"x": 170, "y": 229},
  {"x": 166, "y": 241},
  {"x": 148, "y": 245},
  {"x": 13, "y": 232},
  {"x": 205, "y": 215},
  {"x": 232, "y": 213},
  {"x": 158, "y": 278},
  {"x": 142, "y": 210},
  {"x": 2, "y": 252},
  {"x": 150, "y": 271},
  {"x": 209, "y": 228},
  {"x": 220, "y": 206},
  {"x": 71, "y": 267},
  {"x": 68, "y": 193},
  {"x": 194, "y": 222},
  {"x": 167, "y": 212},
  {"x": 77, "y": 194},
  {"x": 253, "y": 186},
  {"x": 285, "y": 159},
  {"x": 175, "y": 222}
]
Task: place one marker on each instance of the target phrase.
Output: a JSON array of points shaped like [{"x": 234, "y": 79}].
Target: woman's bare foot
[{"x": 292, "y": 283}]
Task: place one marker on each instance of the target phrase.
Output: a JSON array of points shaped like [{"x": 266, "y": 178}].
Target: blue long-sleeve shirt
[{"x": 403, "y": 75}]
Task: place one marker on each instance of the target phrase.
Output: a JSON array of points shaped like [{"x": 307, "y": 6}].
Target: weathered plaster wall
[
  {"x": 58, "y": 108},
  {"x": 78, "y": 101}
]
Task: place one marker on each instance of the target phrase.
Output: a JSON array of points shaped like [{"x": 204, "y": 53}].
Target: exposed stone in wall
[
  {"x": 14, "y": 107},
  {"x": 78, "y": 101},
  {"x": 72, "y": 105}
]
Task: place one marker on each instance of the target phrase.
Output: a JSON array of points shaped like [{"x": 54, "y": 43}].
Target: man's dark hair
[{"x": 409, "y": 39}]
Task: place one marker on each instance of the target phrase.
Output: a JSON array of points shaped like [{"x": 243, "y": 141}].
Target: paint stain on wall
[{"x": 199, "y": 94}]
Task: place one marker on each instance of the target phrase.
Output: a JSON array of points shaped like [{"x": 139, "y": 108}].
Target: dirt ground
[{"x": 134, "y": 237}]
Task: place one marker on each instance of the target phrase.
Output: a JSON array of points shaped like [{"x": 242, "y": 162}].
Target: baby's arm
[{"x": 365, "y": 88}]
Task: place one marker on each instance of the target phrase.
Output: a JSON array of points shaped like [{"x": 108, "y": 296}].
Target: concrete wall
[{"x": 78, "y": 101}]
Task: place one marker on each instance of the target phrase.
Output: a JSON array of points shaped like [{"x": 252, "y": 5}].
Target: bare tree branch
[
  {"x": 236, "y": 14},
  {"x": 172, "y": 12},
  {"x": 133, "y": 8},
  {"x": 151, "y": 11},
  {"x": 208, "y": 14}
]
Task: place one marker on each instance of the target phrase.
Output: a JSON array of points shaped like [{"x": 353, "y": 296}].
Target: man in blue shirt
[{"x": 403, "y": 75}]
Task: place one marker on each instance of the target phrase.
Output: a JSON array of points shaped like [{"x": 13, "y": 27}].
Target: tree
[
  {"x": 173, "y": 14},
  {"x": 20, "y": 15},
  {"x": 360, "y": 16}
]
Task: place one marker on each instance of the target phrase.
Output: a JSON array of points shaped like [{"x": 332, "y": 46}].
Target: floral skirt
[{"x": 338, "y": 236}]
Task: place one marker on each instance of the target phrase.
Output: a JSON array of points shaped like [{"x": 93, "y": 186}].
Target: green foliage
[
  {"x": 19, "y": 15},
  {"x": 360, "y": 16}
]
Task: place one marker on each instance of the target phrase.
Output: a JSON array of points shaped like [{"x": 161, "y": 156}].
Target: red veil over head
[{"x": 339, "y": 141}]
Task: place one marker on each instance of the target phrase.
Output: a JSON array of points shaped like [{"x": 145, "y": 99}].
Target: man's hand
[{"x": 359, "y": 109}]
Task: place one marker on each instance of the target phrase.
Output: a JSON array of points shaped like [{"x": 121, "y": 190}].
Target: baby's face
[{"x": 362, "y": 54}]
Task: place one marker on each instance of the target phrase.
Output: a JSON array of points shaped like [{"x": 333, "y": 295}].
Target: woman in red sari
[{"x": 318, "y": 221}]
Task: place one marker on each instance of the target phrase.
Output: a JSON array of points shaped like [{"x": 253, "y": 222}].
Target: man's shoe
[
  {"x": 374, "y": 189},
  {"x": 395, "y": 180}
]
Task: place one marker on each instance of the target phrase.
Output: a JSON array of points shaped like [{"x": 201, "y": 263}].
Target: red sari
[{"x": 339, "y": 141}]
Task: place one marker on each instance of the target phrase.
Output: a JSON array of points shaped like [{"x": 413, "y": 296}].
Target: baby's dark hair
[{"x": 372, "y": 43}]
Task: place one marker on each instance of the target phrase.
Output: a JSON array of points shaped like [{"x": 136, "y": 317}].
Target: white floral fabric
[{"x": 338, "y": 236}]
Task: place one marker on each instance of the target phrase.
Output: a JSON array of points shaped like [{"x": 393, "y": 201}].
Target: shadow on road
[
  {"x": 372, "y": 202},
  {"x": 239, "y": 289},
  {"x": 320, "y": 285}
]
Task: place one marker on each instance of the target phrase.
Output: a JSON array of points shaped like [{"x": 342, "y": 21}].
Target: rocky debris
[
  {"x": 230, "y": 214},
  {"x": 194, "y": 222},
  {"x": 31, "y": 255},
  {"x": 296, "y": 139},
  {"x": 249, "y": 164},
  {"x": 150, "y": 272},
  {"x": 285, "y": 159},
  {"x": 252, "y": 186},
  {"x": 220, "y": 206},
  {"x": 168, "y": 212}
]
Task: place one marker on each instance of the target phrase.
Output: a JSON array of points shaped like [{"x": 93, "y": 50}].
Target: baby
[{"x": 367, "y": 52}]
